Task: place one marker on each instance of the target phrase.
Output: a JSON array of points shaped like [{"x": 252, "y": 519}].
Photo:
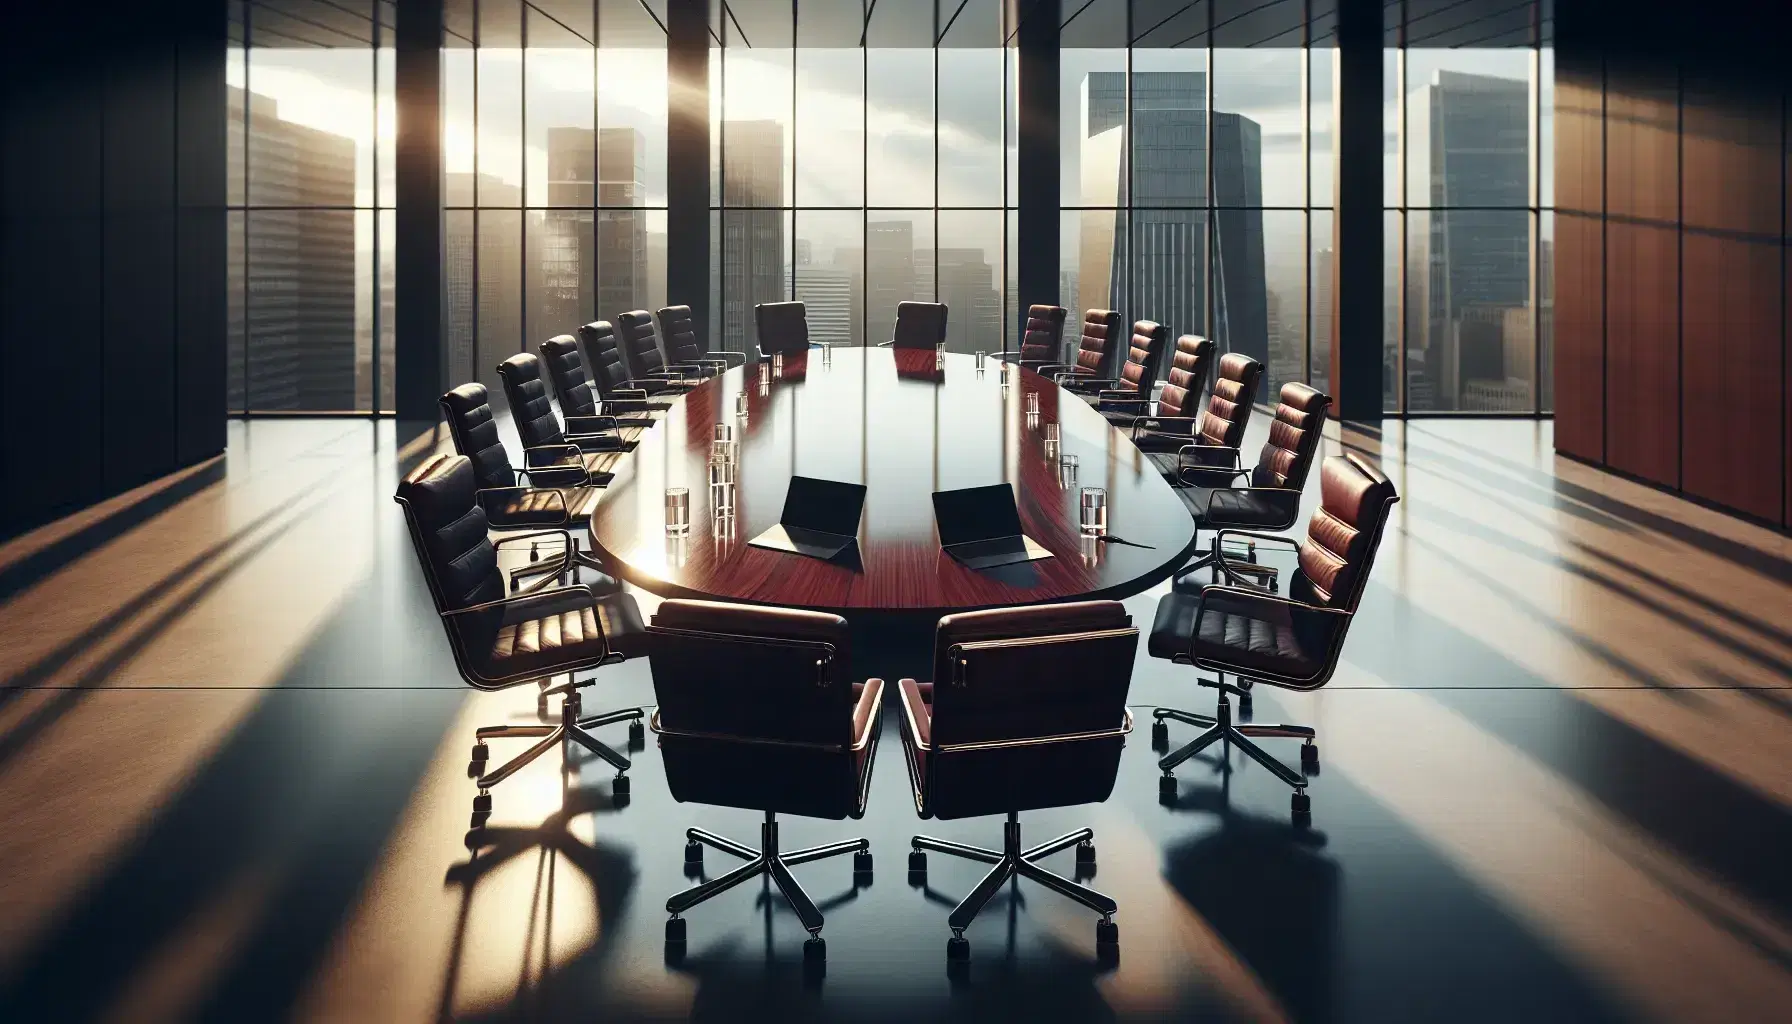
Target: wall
[
  {"x": 1671, "y": 253},
  {"x": 112, "y": 250}
]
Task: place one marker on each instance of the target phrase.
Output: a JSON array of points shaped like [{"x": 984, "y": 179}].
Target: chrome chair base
[
  {"x": 768, "y": 859},
  {"x": 572, "y": 727},
  {"x": 1231, "y": 569},
  {"x": 1220, "y": 729},
  {"x": 1012, "y": 861}
]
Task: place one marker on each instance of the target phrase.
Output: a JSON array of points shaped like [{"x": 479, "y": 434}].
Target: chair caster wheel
[
  {"x": 958, "y": 949},
  {"x": 478, "y": 819},
  {"x": 1272, "y": 586},
  {"x": 675, "y": 932},
  {"x": 637, "y": 736},
  {"x": 1160, "y": 736},
  {"x": 534, "y": 552},
  {"x": 1245, "y": 711},
  {"x": 481, "y": 753},
  {"x": 482, "y": 804},
  {"x": 861, "y": 862},
  {"x": 1302, "y": 806},
  {"x": 815, "y": 950},
  {"x": 1107, "y": 933},
  {"x": 917, "y": 862},
  {"x": 693, "y": 852},
  {"x": 1166, "y": 787},
  {"x": 619, "y": 786},
  {"x": 1309, "y": 755},
  {"x": 1085, "y": 854}
]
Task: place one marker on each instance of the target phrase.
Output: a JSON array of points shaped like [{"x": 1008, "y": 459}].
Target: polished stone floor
[{"x": 1557, "y": 773}]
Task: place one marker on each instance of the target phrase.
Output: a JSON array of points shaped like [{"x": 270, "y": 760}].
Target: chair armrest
[
  {"x": 486, "y": 495},
  {"x": 1205, "y": 456},
  {"x": 1082, "y": 382},
  {"x": 865, "y": 727},
  {"x": 589, "y": 425},
  {"x": 1166, "y": 426},
  {"x": 1103, "y": 399},
  {"x": 523, "y": 602},
  {"x": 607, "y": 442},
  {"x": 1266, "y": 538},
  {"x": 723, "y": 356},
  {"x": 908, "y": 715},
  {"x": 537, "y": 457}
]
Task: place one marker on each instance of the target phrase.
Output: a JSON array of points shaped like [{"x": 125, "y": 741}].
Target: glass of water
[
  {"x": 678, "y": 510},
  {"x": 1095, "y": 511}
]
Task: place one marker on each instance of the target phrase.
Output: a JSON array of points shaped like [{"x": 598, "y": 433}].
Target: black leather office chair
[
  {"x": 1271, "y": 498},
  {"x": 1042, "y": 341},
  {"x": 1292, "y": 642},
  {"x": 1094, "y": 350},
  {"x": 545, "y": 444},
  {"x": 1026, "y": 709},
  {"x": 1208, "y": 456},
  {"x": 629, "y": 399},
  {"x": 685, "y": 344},
  {"x": 639, "y": 342},
  {"x": 577, "y": 394},
  {"x": 557, "y": 496},
  {"x": 782, "y": 328},
  {"x": 759, "y": 708},
  {"x": 918, "y": 325},
  {"x": 500, "y": 641},
  {"x": 1172, "y": 424}
]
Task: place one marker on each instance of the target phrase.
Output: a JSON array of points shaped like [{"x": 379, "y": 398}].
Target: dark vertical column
[
  {"x": 1036, "y": 191},
  {"x": 1356, "y": 342},
  {"x": 201, "y": 247},
  {"x": 687, "y": 158},
  {"x": 421, "y": 356}
]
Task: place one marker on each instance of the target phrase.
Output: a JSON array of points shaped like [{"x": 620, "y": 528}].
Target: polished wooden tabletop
[{"x": 891, "y": 420}]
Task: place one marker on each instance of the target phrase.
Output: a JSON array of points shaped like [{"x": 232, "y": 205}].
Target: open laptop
[
  {"x": 980, "y": 526},
  {"x": 820, "y": 518}
]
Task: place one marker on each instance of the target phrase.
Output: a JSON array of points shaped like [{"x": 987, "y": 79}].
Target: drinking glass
[
  {"x": 939, "y": 355},
  {"x": 778, "y": 364},
  {"x": 980, "y": 357},
  {"x": 740, "y": 405},
  {"x": 1095, "y": 510},
  {"x": 678, "y": 510},
  {"x": 765, "y": 370},
  {"x": 1067, "y": 465},
  {"x": 1032, "y": 403}
]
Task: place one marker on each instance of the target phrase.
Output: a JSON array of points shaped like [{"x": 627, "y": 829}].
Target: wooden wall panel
[
  {"x": 1580, "y": 137},
  {"x": 1732, "y": 443},
  {"x": 1580, "y": 336},
  {"x": 1730, "y": 145},
  {"x": 1642, "y": 160},
  {"x": 1642, "y": 351}
]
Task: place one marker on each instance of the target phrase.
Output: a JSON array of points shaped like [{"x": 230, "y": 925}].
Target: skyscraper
[
  {"x": 974, "y": 306},
  {"x": 484, "y": 280},
  {"x": 1470, "y": 147},
  {"x": 298, "y": 318},
  {"x": 827, "y": 292},
  {"x": 591, "y": 272},
  {"x": 753, "y": 247},
  {"x": 889, "y": 275}
]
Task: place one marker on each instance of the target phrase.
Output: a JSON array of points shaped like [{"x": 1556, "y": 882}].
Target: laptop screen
[
  {"x": 976, "y": 513},
  {"x": 825, "y": 505}
]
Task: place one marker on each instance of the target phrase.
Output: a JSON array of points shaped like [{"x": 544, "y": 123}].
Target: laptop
[
  {"x": 820, "y": 518},
  {"x": 980, "y": 526}
]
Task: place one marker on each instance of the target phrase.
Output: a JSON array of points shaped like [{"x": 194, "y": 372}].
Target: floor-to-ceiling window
[
  {"x": 861, "y": 156},
  {"x": 1468, "y": 97},
  {"x": 1195, "y": 156},
  {"x": 310, "y": 132},
  {"x": 554, "y": 159}
]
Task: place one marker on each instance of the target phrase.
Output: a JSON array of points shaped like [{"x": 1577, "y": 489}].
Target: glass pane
[
  {"x": 1322, "y": 115},
  {"x": 1390, "y": 127},
  {"x": 656, "y": 262},
  {"x": 1169, "y": 273},
  {"x": 1546, "y": 309},
  {"x": 830, "y": 274},
  {"x": 1395, "y": 254},
  {"x": 1259, "y": 159},
  {"x": 558, "y": 114},
  {"x": 457, "y": 287},
  {"x": 1170, "y": 132},
  {"x": 830, "y": 120},
  {"x": 756, "y": 140},
  {"x": 500, "y": 103},
  {"x": 1546, "y": 127},
  {"x": 1092, "y": 135},
  {"x": 1468, "y": 123},
  {"x": 387, "y": 332},
  {"x": 970, "y": 126},
  {"x": 236, "y": 311},
  {"x": 899, "y": 265},
  {"x": 1011, "y": 318},
  {"x": 1319, "y": 292},
  {"x": 366, "y": 295},
  {"x": 310, "y": 124},
  {"x": 499, "y": 295},
  {"x": 236, "y": 80},
  {"x": 1092, "y": 248},
  {"x": 631, "y": 93},
  {"x": 1284, "y": 276},
  {"x": 1469, "y": 343},
  {"x": 386, "y": 120},
  {"x": 755, "y": 268},
  {"x": 563, "y": 272},
  {"x": 969, "y": 273},
  {"x": 621, "y": 274},
  {"x": 300, "y": 314},
  {"x": 457, "y": 123},
  {"x": 899, "y": 113}
]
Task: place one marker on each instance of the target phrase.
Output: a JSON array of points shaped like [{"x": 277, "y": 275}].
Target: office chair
[
  {"x": 1042, "y": 342},
  {"x": 1026, "y": 709},
  {"x": 758, "y": 708},
  {"x": 1292, "y": 642},
  {"x": 626, "y": 397},
  {"x": 639, "y": 343},
  {"x": 685, "y": 345},
  {"x": 579, "y": 400},
  {"x": 782, "y": 328},
  {"x": 1101, "y": 328},
  {"x": 1271, "y": 500},
  {"x": 1170, "y": 426},
  {"x": 500, "y": 641},
  {"x": 1127, "y": 397},
  {"x": 545, "y": 444},
  {"x": 918, "y": 325},
  {"x": 1208, "y": 454},
  {"x": 566, "y": 497}
]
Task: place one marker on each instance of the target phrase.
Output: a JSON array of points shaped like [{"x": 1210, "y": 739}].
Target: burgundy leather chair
[
  {"x": 500, "y": 641},
  {"x": 782, "y": 328},
  {"x": 918, "y": 325},
  {"x": 684, "y": 343},
  {"x": 1128, "y": 397},
  {"x": 1293, "y": 642},
  {"x": 1173, "y": 423},
  {"x": 545, "y": 444},
  {"x": 1208, "y": 456},
  {"x": 1026, "y": 709},
  {"x": 1042, "y": 342},
  {"x": 1271, "y": 498},
  {"x": 578, "y": 397},
  {"x": 759, "y": 708},
  {"x": 1094, "y": 350},
  {"x": 639, "y": 342},
  {"x": 626, "y": 396}
]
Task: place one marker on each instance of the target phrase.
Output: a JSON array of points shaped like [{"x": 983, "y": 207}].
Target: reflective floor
[{"x": 1557, "y": 767}]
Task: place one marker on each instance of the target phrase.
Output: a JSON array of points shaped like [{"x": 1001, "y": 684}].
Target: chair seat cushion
[
  {"x": 545, "y": 639},
  {"x": 1122, "y": 417},
  {"x": 1235, "y": 631},
  {"x": 1252, "y": 507}
]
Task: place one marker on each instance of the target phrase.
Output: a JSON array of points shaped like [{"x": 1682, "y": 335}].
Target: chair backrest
[
  {"x": 449, "y": 532},
  {"x": 1043, "y": 340},
  {"x": 530, "y": 409},
  {"x": 1100, "y": 327},
  {"x": 919, "y": 325},
  {"x": 782, "y": 327},
  {"x": 1187, "y": 376},
  {"x": 1293, "y": 438},
  {"x": 1142, "y": 357},
  {"x": 603, "y": 356},
  {"x": 566, "y": 372},
  {"x": 1355, "y": 501},
  {"x": 640, "y": 344},
  {"x": 755, "y": 706},
  {"x": 468, "y": 411},
  {"x": 1012, "y": 687},
  {"x": 679, "y": 327},
  {"x": 1233, "y": 397}
]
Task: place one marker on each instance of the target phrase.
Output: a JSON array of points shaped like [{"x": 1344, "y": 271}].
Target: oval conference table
[{"x": 890, "y": 420}]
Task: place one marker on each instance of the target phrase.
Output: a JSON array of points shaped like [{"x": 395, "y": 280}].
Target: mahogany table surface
[{"x": 890, "y": 420}]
